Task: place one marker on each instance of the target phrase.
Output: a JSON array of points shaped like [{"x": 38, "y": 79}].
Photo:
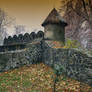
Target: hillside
[{"x": 38, "y": 78}]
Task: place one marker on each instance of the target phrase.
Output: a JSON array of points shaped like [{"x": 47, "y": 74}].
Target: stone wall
[
  {"x": 14, "y": 59},
  {"x": 18, "y": 42},
  {"x": 75, "y": 64},
  {"x": 26, "y": 38},
  {"x": 55, "y": 32},
  {"x": 12, "y": 47}
]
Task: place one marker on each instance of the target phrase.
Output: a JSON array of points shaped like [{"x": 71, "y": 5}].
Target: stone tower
[{"x": 54, "y": 27}]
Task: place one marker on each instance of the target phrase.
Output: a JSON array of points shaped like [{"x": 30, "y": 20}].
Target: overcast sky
[{"x": 29, "y": 12}]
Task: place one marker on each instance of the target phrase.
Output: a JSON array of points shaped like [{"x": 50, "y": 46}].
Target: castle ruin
[
  {"x": 32, "y": 48},
  {"x": 54, "y": 27}
]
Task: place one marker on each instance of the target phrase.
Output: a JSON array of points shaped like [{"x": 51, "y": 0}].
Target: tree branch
[
  {"x": 90, "y": 5},
  {"x": 85, "y": 9}
]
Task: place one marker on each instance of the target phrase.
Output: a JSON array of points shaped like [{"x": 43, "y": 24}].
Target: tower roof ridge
[{"x": 54, "y": 17}]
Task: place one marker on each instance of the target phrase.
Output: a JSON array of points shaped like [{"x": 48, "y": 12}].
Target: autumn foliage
[{"x": 38, "y": 78}]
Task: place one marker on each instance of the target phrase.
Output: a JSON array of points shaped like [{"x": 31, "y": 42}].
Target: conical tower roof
[{"x": 54, "y": 17}]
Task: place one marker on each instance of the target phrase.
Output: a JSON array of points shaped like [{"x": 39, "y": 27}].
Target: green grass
[{"x": 37, "y": 78}]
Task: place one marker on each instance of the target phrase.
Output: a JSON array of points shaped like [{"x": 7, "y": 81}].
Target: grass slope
[{"x": 38, "y": 78}]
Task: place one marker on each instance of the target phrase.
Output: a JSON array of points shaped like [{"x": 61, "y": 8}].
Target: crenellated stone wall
[
  {"x": 74, "y": 64},
  {"x": 19, "y": 42},
  {"x": 26, "y": 38}
]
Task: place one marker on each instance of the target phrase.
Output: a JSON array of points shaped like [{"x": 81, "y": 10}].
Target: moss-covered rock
[
  {"x": 13, "y": 59},
  {"x": 75, "y": 64}
]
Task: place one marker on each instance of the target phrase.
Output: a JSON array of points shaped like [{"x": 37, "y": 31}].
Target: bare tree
[
  {"x": 82, "y": 8},
  {"x": 78, "y": 14},
  {"x": 5, "y": 21},
  {"x": 20, "y": 29}
]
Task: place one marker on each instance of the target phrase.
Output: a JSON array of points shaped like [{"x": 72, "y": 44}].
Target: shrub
[{"x": 71, "y": 44}]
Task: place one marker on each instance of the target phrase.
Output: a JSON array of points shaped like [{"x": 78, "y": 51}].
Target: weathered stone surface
[
  {"x": 40, "y": 34},
  {"x": 26, "y": 37},
  {"x": 11, "y": 60},
  {"x": 33, "y": 35},
  {"x": 21, "y": 39},
  {"x": 75, "y": 64}
]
